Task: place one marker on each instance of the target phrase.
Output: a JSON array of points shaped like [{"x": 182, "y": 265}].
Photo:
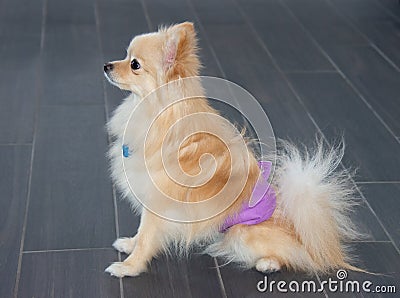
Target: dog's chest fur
[{"x": 128, "y": 131}]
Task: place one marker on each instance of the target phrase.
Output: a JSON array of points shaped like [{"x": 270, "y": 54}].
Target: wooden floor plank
[
  {"x": 15, "y": 165},
  {"x": 380, "y": 27},
  {"x": 374, "y": 78},
  {"x": 325, "y": 24},
  {"x": 72, "y": 65},
  {"x": 68, "y": 274},
  {"x": 289, "y": 44},
  {"x": 20, "y": 30},
  {"x": 71, "y": 199},
  {"x": 384, "y": 200}
]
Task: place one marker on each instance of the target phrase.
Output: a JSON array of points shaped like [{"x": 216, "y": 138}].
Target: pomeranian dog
[{"x": 301, "y": 223}]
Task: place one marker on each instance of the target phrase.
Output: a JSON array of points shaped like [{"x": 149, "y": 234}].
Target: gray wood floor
[{"x": 328, "y": 66}]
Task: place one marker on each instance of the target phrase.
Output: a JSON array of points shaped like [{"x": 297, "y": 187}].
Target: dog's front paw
[
  {"x": 121, "y": 269},
  {"x": 268, "y": 265},
  {"x": 125, "y": 245}
]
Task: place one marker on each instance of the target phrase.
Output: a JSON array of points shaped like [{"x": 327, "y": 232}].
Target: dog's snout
[{"x": 108, "y": 67}]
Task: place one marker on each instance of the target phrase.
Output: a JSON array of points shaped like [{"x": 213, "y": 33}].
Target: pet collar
[
  {"x": 125, "y": 150},
  {"x": 265, "y": 202}
]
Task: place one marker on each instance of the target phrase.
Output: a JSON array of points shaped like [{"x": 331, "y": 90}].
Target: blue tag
[{"x": 125, "y": 150}]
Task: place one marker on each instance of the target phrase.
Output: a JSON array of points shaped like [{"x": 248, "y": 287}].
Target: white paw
[
  {"x": 268, "y": 265},
  {"x": 125, "y": 245},
  {"x": 119, "y": 269}
]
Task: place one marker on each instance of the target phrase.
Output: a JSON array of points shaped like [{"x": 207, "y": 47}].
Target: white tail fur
[{"x": 317, "y": 197}]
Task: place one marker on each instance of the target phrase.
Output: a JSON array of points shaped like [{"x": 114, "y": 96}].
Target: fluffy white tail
[{"x": 317, "y": 197}]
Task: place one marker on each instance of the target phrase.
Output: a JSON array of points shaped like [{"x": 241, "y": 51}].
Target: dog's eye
[{"x": 135, "y": 64}]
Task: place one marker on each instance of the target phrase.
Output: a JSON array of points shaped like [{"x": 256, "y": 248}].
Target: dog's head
[{"x": 155, "y": 59}]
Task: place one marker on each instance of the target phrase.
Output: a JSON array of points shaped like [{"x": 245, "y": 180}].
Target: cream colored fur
[{"x": 311, "y": 222}]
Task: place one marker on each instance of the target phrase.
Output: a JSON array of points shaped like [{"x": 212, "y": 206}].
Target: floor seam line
[
  {"x": 320, "y": 283},
  {"x": 371, "y": 241},
  {"x": 309, "y": 71},
  {"x": 65, "y": 250},
  {"x": 220, "y": 280},
  {"x": 146, "y": 15},
  {"x": 15, "y": 144},
  {"x": 377, "y": 182}
]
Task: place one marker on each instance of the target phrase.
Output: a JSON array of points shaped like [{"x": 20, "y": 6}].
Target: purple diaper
[{"x": 261, "y": 205}]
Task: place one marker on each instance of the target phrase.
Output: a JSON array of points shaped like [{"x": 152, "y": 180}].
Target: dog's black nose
[{"x": 108, "y": 67}]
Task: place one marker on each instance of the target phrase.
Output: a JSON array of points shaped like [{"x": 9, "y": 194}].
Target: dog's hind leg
[
  {"x": 268, "y": 265},
  {"x": 125, "y": 245},
  {"x": 275, "y": 246},
  {"x": 267, "y": 246}
]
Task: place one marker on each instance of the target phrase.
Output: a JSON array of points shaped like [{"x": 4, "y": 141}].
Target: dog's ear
[{"x": 180, "y": 51}]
